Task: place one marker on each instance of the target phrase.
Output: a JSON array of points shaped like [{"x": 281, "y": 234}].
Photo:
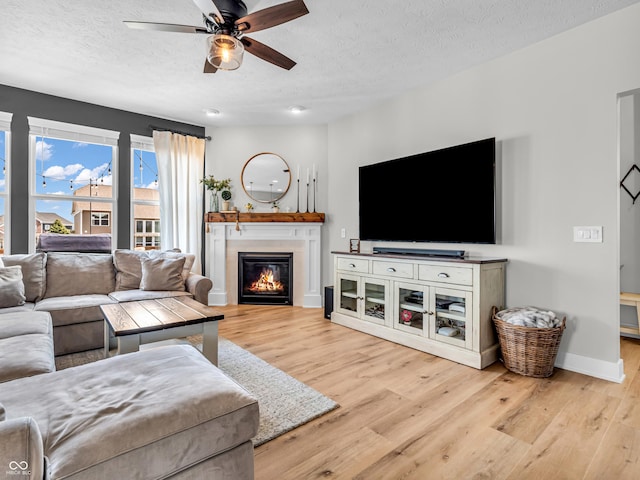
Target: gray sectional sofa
[
  {"x": 164, "y": 412},
  {"x": 72, "y": 286}
]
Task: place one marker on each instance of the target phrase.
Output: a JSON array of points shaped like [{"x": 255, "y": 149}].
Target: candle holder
[
  {"x": 314, "y": 195},
  {"x": 307, "y": 197},
  {"x": 298, "y": 196}
]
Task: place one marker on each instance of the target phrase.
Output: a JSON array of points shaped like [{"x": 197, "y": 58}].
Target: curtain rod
[{"x": 161, "y": 129}]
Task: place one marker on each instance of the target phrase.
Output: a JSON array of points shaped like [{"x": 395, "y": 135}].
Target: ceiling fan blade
[
  {"x": 208, "y": 68},
  {"x": 207, "y": 7},
  {"x": 165, "y": 27},
  {"x": 266, "y": 53},
  {"x": 272, "y": 16}
]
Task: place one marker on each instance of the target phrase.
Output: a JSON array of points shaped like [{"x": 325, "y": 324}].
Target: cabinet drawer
[
  {"x": 393, "y": 269},
  {"x": 353, "y": 265},
  {"x": 445, "y": 274}
]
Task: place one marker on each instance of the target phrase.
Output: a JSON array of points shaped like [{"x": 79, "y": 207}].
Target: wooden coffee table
[{"x": 147, "y": 321}]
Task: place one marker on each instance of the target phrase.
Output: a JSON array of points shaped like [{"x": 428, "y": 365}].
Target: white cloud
[
  {"x": 95, "y": 174},
  {"x": 2, "y": 182},
  {"x": 153, "y": 185},
  {"x": 44, "y": 150},
  {"x": 80, "y": 145},
  {"x": 60, "y": 173}
]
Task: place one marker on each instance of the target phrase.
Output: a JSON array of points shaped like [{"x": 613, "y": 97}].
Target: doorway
[{"x": 629, "y": 205}]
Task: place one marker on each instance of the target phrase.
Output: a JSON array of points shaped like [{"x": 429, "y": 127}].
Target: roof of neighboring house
[{"x": 48, "y": 217}]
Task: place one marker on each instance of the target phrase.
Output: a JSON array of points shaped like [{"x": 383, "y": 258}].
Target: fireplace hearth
[{"x": 265, "y": 278}]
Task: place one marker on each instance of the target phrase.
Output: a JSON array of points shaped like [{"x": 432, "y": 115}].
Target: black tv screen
[{"x": 446, "y": 196}]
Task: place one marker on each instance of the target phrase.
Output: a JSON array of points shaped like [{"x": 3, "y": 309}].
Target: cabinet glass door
[
  {"x": 452, "y": 323},
  {"x": 410, "y": 314},
  {"x": 347, "y": 295},
  {"x": 375, "y": 300}
]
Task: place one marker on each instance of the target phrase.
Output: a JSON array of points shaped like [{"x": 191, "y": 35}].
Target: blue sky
[{"x": 64, "y": 166}]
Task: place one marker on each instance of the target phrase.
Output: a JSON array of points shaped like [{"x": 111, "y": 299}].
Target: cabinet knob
[
  {"x": 431, "y": 313},
  {"x": 391, "y": 269},
  {"x": 352, "y": 265},
  {"x": 359, "y": 298},
  {"x": 443, "y": 275}
]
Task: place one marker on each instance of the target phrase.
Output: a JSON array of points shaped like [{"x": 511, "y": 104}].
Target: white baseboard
[
  {"x": 312, "y": 301},
  {"x": 611, "y": 371},
  {"x": 218, "y": 299}
]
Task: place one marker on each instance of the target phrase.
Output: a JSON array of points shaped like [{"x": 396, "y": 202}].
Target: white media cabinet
[{"x": 437, "y": 305}]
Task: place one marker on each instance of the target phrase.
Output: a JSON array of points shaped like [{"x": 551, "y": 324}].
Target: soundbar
[{"x": 428, "y": 252}]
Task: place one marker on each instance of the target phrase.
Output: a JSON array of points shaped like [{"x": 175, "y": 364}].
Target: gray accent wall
[{"x": 24, "y": 103}]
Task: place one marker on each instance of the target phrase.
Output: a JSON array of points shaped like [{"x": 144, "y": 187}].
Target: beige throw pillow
[
  {"x": 162, "y": 274},
  {"x": 128, "y": 268},
  {"x": 189, "y": 259},
  {"x": 128, "y": 265},
  {"x": 11, "y": 287},
  {"x": 33, "y": 273}
]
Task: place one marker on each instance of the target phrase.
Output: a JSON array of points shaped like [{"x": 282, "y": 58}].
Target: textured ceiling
[{"x": 350, "y": 53}]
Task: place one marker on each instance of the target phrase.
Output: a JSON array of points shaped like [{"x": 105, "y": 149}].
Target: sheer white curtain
[{"x": 180, "y": 168}]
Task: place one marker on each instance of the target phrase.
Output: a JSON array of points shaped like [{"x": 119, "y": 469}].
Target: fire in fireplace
[
  {"x": 266, "y": 283},
  {"x": 265, "y": 278}
]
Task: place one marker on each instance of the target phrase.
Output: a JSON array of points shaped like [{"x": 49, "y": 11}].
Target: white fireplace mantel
[{"x": 219, "y": 233}]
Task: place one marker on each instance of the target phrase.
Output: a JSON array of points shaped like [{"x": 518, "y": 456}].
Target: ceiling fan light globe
[{"x": 224, "y": 51}]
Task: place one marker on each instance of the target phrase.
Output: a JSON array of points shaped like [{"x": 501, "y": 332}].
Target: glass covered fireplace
[{"x": 265, "y": 278}]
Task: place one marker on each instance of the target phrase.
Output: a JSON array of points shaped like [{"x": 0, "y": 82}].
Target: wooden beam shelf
[{"x": 290, "y": 217}]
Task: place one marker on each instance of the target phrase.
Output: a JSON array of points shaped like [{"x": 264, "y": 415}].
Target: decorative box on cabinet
[{"x": 440, "y": 306}]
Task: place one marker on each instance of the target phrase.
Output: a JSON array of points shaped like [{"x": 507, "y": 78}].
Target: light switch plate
[{"x": 587, "y": 234}]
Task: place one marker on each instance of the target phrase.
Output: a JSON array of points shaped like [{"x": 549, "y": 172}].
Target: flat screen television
[{"x": 445, "y": 196}]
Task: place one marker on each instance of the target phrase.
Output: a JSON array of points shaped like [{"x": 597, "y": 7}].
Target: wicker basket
[{"x": 528, "y": 351}]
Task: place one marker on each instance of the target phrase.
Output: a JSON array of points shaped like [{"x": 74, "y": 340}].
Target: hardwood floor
[{"x": 405, "y": 414}]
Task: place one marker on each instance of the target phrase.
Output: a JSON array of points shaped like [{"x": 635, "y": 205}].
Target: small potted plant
[
  {"x": 275, "y": 207},
  {"x": 226, "y": 197},
  {"x": 214, "y": 186}
]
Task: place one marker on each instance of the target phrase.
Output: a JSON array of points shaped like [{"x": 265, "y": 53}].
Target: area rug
[{"x": 285, "y": 403}]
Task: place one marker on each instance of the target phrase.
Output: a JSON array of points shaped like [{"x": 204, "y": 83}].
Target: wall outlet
[
  {"x": 587, "y": 234},
  {"x": 343, "y": 232}
]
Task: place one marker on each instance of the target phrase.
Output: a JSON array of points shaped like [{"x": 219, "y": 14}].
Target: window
[
  {"x": 73, "y": 177},
  {"x": 100, "y": 219},
  {"x": 147, "y": 234},
  {"x": 5, "y": 150},
  {"x": 145, "y": 196}
]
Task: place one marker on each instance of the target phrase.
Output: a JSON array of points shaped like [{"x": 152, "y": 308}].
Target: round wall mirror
[{"x": 266, "y": 177}]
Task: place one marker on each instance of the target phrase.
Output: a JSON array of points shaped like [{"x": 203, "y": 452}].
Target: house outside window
[
  {"x": 73, "y": 172},
  {"x": 5, "y": 151},
  {"x": 145, "y": 195}
]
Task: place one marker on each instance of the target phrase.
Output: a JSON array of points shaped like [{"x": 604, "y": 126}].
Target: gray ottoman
[
  {"x": 26, "y": 345},
  {"x": 166, "y": 412}
]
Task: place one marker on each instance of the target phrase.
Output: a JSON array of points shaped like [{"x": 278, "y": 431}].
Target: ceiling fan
[{"x": 227, "y": 23}]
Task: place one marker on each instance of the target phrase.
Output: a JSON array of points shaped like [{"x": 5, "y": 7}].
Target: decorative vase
[
  {"x": 275, "y": 209},
  {"x": 213, "y": 202}
]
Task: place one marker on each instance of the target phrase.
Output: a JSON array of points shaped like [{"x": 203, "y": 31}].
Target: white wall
[
  {"x": 303, "y": 146},
  {"x": 553, "y": 108}
]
